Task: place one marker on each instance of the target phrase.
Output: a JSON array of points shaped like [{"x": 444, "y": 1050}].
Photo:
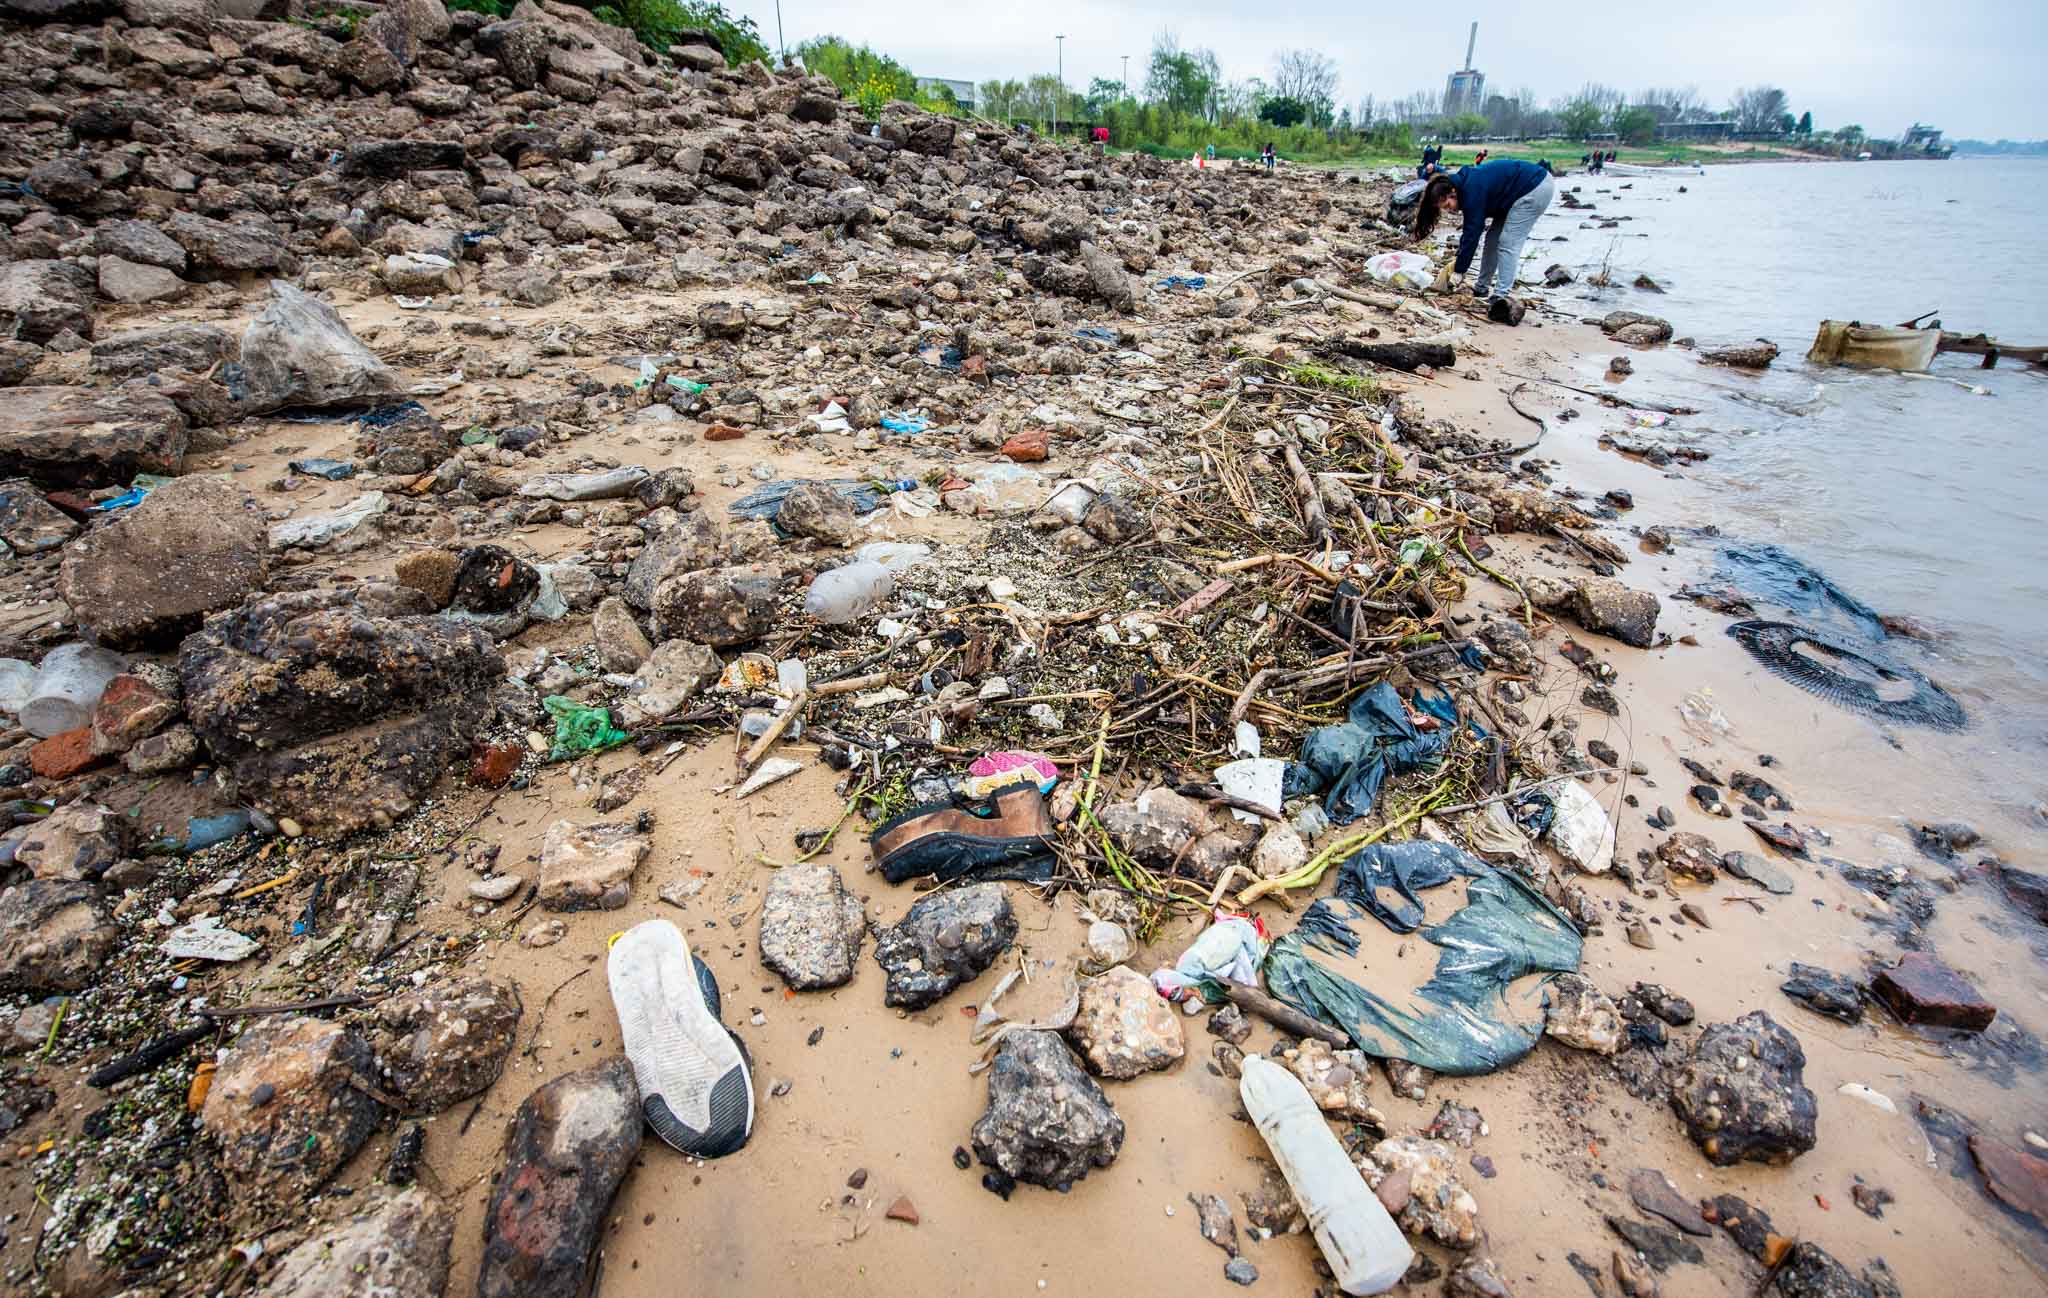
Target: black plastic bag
[
  {"x": 1383, "y": 878},
  {"x": 1355, "y": 757}
]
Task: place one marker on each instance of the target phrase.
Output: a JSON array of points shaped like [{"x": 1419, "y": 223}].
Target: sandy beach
[{"x": 860, "y": 1105}]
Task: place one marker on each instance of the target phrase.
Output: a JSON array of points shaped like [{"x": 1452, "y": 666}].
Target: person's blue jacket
[{"x": 1489, "y": 190}]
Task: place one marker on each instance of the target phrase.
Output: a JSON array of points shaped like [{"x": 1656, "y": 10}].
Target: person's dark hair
[{"x": 1427, "y": 211}]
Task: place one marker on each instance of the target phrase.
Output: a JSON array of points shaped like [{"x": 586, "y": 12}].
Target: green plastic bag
[{"x": 580, "y": 730}]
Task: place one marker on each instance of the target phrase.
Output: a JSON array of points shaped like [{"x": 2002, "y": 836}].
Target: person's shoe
[{"x": 696, "y": 1085}]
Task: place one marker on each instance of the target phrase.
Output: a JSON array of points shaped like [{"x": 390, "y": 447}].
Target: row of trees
[{"x": 1183, "y": 102}]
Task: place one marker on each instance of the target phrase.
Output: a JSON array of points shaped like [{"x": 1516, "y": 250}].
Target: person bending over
[{"x": 1499, "y": 201}]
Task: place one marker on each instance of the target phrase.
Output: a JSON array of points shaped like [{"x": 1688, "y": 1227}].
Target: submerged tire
[{"x": 1775, "y": 645}]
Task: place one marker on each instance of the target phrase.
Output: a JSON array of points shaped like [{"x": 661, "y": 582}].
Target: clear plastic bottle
[
  {"x": 67, "y": 687},
  {"x": 1365, "y": 1249},
  {"x": 840, "y": 595}
]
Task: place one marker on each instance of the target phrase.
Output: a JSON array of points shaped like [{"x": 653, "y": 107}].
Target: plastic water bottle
[
  {"x": 1365, "y": 1249},
  {"x": 68, "y": 686},
  {"x": 843, "y": 594}
]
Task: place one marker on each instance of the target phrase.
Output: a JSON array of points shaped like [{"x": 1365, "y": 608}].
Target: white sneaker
[{"x": 696, "y": 1086}]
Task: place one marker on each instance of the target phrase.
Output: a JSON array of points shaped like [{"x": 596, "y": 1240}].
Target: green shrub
[{"x": 658, "y": 22}]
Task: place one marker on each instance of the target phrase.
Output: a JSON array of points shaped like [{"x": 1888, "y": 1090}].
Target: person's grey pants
[{"x": 1504, "y": 240}]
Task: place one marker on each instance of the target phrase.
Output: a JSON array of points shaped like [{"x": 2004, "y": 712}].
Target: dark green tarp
[{"x": 1464, "y": 1020}]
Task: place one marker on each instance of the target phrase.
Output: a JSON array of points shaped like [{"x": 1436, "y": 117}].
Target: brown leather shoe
[{"x": 1009, "y": 836}]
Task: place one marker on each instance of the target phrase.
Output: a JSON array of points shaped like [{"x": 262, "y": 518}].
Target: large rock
[
  {"x": 621, "y": 645},
  {"x": 568, "y": 1147},
  {"x": 30, "y": 524},
  {"x": 1337, "y": 1080},
  {"x": 521, "y": 48},
  {"x": 721, "y": 607},
  {"x": 1107, "y": 276},
  {"x": 590, "y": 867},
  {"x": 386, "y": 159},
  {"x": 55, "y": 936},
  {"x": 1923, "y": 991},
  {"x": 133, "y": 283},
  {"x": 2024, "y": 888},
  {"x": 221, "y": 248},
  {"x": 2012, "y": 1175},
  {"x": 1125, "y": 1027},
  {"x": 811, "y": 927},
  {"x": 78, "y": 841},
  {"x": 336, "y": 715},
  {"x": 132, "y": 708},
  {"x": 691, "y": 543},
  {"x": 817, "y": 511},
  {"x": 1165, "y": 831},
  {"x": 299, "y": 353},
  {"x": 1417, "y": 1180},
  {"x": 192, "y": 547},
  {"x": 946, "y": 939},
  {"x": 54, "y": 11},
  {"x": 674, "y": 673},
  {"x": 444, "y": 1042},
  {"x": 1581, "y": 1016},
  {"x": 41, "y": 299},
  {"x": 285, "y": 1106},
  {"x": 1048, "y": 1122},
  {"x": 18, "y": 360},
  {"x": 78, "y": 437},
  {"x": 138, "y": 353},
  {"x": 1604, "y": 605},
  {"x": 1743, "y": 1095},
  {"x": 141, "y": 243},
  {"x": 1643, "y": 328},
  {"x": 395, "y": 1245}
]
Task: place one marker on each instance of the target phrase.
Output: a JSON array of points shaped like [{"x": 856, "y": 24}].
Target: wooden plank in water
[{"x": 1990, "y": 349}]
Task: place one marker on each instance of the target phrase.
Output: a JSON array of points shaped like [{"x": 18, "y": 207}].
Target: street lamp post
[
  {"x": 1061, "y": 42},
  {"x": 1123, "y": 86}
]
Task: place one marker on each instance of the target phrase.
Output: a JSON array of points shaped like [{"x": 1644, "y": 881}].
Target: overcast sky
[{"x": 1975, "y": 68}]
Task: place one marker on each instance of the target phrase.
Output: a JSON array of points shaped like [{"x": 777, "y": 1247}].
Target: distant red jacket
[{"x": 1102, "y": 135}]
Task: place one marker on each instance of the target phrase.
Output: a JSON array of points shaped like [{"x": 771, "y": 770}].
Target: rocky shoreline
[{"x": 516, "y": 486}]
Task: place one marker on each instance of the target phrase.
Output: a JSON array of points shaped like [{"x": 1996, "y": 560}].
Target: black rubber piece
[{"x": 1775, "y": 645}]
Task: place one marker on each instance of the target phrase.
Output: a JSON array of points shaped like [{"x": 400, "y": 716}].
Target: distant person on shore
[
  {"x": 1432, "y": 154},
  {"x": 1598, "y": 156},
  {"x": 1499, "y": 201},
  {"x": 1479, "y": 158},
  {"x": 1267, "y": 155}
]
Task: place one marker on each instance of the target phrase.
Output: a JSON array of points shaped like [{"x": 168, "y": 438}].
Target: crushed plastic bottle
[
  {"x": 843, "y": 594},
  {"x": 896, "y": 556},
  {"x": 1360, "y": 1241}
]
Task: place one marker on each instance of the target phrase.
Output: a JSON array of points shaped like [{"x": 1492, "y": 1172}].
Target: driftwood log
[
  {"x": 1397, "y": 356},
  {"x": 1282, "y": 1015}
]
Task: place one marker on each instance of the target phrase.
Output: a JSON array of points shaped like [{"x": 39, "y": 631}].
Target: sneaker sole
[{"x": 696, "y": 1088}]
